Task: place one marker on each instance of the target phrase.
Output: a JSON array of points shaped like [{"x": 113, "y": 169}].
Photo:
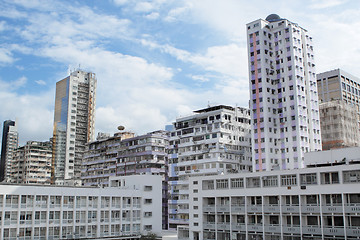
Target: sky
[{"x": 154, "y": 60}]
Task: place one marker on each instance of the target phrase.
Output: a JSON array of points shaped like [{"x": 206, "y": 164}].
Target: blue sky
[{"x": 154, "y": 60}]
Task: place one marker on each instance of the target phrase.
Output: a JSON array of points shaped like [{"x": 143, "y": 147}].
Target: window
[
  {"x": 208, "y": 185},
  {"x": 270, "y": 181},
  {"x": 308, "y": 179},
  {"x": 148, "y": 201},
  {"x": 351, "y": 176},
  {"x": 147, "y": 214},
  {"x": 253, "y": 182},
  {"x": 288, "y": 180},
  {"x": 148, "y": 188},
  {"x": 237, "y": 183},
  {"x": 222, "y": 183},
  {"x": 329, "y": 178}
]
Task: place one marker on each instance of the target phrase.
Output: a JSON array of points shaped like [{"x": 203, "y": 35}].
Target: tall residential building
[
  {"x": 211, "y": 141},
  {"x": 125, "y": 154},
  {"x": 73, "y": 125},
  {"x": 32, "y": 163},
  {"x": 283, "y": 94},
  {"x": 9, "y": 144},
  {"x": 339, "y": 125}
]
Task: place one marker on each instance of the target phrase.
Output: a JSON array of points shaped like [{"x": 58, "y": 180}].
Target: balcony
[
  {"x": 353, "y": 231},
  {"x": 209, "y": 225},
  {"x": 332, "y": 209},
  {"x": 352, "y": 208},
  {"x": 311, "y": 230},
  {"x": 334, "y": 231},
  {"x": 209, "y": 208},
  {"x": 273, "y": 228},
  {"x": 255, "y": 227},
  {"x": 223, "y": 208},
  {"x": 291, "y": 229},
  {"x": 271, "y": 208},
  {"x": 238, "y": 227},
  {"x": 223, "y": 226},
  {"x": 254, "y": 208},
  {"x": 290, "y": 209},
  {"x": 238, "y": 209},
  {"x": 310, "y": 209}
]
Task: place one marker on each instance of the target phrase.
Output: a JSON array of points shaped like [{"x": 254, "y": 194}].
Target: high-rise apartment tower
[
  {"x": 73, "y": 125},
  {"x": 283, "y": 94},
  {"x": 9, "y": 144}
]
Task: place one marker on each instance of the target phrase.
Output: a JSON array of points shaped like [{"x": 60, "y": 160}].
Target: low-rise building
[
  {"x": 321, "y": 201},
  {"x": 129, "y": 207}
]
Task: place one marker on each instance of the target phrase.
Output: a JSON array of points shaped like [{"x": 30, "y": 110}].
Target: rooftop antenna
[{"x": 208, "y": 103}]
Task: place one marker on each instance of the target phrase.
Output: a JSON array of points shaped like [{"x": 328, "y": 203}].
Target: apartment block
[
  {"x": 284, "y": 101},
  {"x": 339, "y": 125},
  {"x": 339, "y": 85},
  {"x": 10, "y": 141},
  {"x": 128, "y": 208},
  {"x": 214, "y": 140},
  {"x": 321, "y": 201},
  {"x": 32, "y": 163},
  {"x": 74, "y": 125},
  {"x": 125, "y": 154}
]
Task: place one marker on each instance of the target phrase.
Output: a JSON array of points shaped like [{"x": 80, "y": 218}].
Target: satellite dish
[{"x": 120, "y": 128}]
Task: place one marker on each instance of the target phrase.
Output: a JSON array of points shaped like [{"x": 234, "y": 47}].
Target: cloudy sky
[{"x": 154, "y": 60}]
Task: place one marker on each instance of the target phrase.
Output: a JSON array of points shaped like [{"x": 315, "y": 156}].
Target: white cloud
[
  {"x": 321, "y": 4},
  {"x": 143, "y": 7},
  {"x": 40, "y": 82},
  {"x": 200, "y": 78},
  {"x": 33, "y": 112},
  {"x": 152, "y": 16},
  {"x": 2, "y": 26},
  {"x": 21, "y": 82},
  {"x": 6, "y": 56}
]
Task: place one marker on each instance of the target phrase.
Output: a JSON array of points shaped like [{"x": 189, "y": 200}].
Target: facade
[
  {"x": 339, "y": 85},
  {"x": 321, "y": 202},
  {"x": 74, "y": 125},
  {"x": 212, "y": 141},
  {"x": 283, "y": 94},
  {"x": 9, "y": 144},
  {"x": 339, "y": 125},
  {"x": 129, "y": 207},
  {"x": 32, "y": 163},
  {"x": 125, "y": 154}
]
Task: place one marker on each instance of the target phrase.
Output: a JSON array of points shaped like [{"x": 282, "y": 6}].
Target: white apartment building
[
  {"x": 283, "y": 94},
  {"x": 321, "y": 201},
  {"x": 211, "y": 141},
  {"x": 129, "y": 207},
  {"x": 32, "y": 163},
  {"x": 74, "y": 125}
]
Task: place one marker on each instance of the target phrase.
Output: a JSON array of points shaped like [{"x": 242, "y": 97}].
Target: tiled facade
[{"x": 283, "y": 94}]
